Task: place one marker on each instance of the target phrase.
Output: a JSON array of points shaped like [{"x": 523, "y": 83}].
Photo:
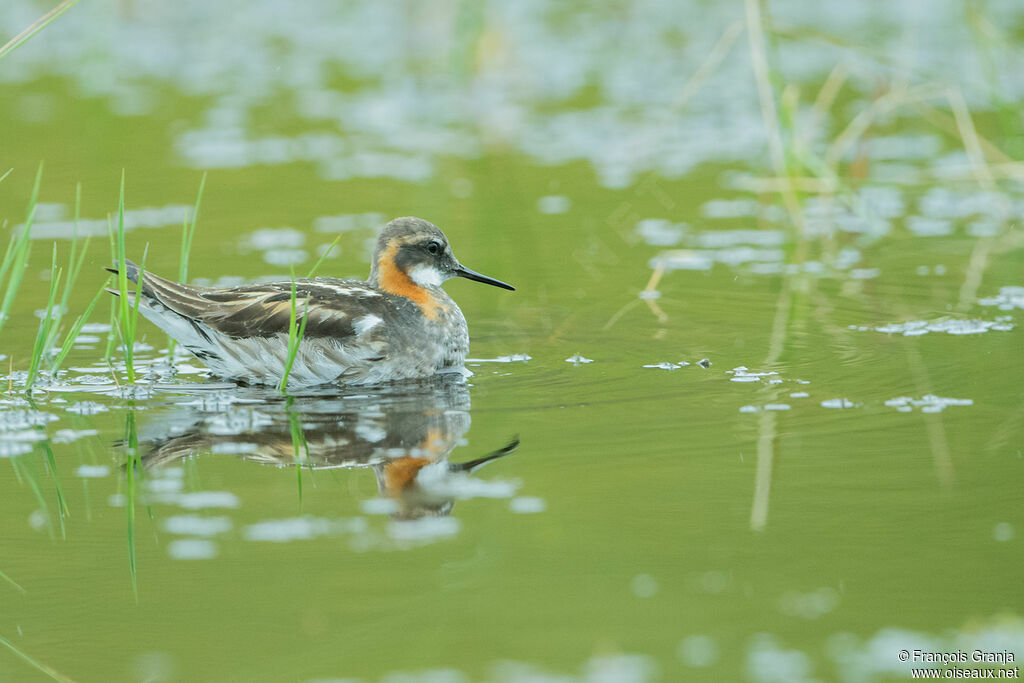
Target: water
[{"x": 751, "y": 446}]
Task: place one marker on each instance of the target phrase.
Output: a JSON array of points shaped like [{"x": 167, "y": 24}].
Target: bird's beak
[{"x": 462, "y": 271}]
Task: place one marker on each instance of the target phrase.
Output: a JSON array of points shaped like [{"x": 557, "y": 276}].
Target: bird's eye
[{"x": 434, "y": 248}]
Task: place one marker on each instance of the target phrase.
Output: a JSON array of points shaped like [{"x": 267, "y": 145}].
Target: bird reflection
[{"x": 405, "y": 436}]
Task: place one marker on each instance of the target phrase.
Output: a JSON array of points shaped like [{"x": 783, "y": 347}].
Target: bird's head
[{"x": 414, "y": 252}]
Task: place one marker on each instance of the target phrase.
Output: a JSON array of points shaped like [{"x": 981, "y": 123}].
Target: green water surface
[{"x": 659, "y": 523}]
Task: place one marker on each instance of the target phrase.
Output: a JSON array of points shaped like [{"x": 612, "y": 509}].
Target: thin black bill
[{"x": 462, "y": 271}]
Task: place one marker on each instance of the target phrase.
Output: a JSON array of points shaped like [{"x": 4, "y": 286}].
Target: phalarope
[{"x": 398, "y": 324}]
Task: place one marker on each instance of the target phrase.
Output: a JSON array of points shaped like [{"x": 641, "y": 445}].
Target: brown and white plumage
[{"x": 399, "y": 324}]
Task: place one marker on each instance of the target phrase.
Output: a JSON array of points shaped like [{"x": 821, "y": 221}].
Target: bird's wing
[
  {"x": 330, "y": 309},
  {"x": 338, "y": 309}
]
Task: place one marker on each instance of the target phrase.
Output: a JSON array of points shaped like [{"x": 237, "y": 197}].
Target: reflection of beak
[
  {"x": 462, "y": 271},
  {"x": 473, "y": 465}
]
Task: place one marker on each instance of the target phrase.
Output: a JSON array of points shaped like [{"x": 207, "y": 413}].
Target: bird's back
[{"x": 352, "y": 332}]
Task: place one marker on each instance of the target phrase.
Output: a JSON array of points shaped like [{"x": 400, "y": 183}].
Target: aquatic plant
[
  {"x": 35, "y": 27},
  {"x": 324, "y": 255},
  {"x": 76, "y": 329},
  {"x": 55, "y": 675},
  {"x": 114, "y": 301},
  {"x": 129, "y": 308},
  {"x": 296, "y": 331},
  {"x": 50, "y": 322},
  {"x": 16, "y": 255},
  {"x": 188, "y": 232},
  {"x": 300, "y": 448},
  {"x": 26, "y": 472},
  {"x": 296, "y": 328},
  {"x": 11, "y": 581},
  {"x": 63, "y": 511},
  {"x": 133, "y": 468},
  {"x": 45, "y": 323},
  {"x": 74, "y": 268},
  {"x": 127, "y": 336}
]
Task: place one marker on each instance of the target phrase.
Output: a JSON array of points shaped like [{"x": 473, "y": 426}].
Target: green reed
[
  {"x": 75, "y": 330},
  {"x": 296, "y": 331},
  {"x": 28, "y": 659},
  {"x": 134, "y": 322},
  {"x": 131, "y": 441},
  {"x": 324, "y": 255},
  {"x": 12, "y": 582},
  {"x": 128, "y": 308},
  {"x": 45, "y": 324},
  {"x": 15, "y": 260},
  {"x": 35, "y": 27},
  {"x": 50, "y": 324},
  {"x": 300, "y": 448},
  {"x": 75, "y": 262},
  {"x": 63, "y": 511},
  {"x": 25, "y": 471},
  {"x": 114, "y": 301},
  {"x": 127, "y": 334},
  {"x": 188, "y": 232},
  {"x": 50, "y": 463}
]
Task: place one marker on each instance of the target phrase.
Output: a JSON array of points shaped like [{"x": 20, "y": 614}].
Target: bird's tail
[
  {"x": 132, "y": 272},
  {"x": 159, "y": 293}
]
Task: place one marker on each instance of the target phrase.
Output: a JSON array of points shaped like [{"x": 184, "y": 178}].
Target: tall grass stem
[
  {"x": 19, "y": 247},
  {"x": 35, "y": 27}
]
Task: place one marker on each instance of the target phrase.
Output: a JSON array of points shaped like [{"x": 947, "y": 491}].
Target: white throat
[{"x": 426, "y": 276}]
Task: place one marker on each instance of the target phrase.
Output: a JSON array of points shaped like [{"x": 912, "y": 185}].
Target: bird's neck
[{"x": 388, "y": 277}]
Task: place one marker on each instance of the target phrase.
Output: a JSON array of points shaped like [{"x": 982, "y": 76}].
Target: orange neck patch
[{"x": 393, "y": 280}]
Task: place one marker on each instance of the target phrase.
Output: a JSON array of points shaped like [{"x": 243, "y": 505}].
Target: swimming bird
[{"x": 398, "y": 324}]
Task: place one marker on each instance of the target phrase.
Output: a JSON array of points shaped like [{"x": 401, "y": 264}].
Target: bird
[{"x": 398, "y": 324}]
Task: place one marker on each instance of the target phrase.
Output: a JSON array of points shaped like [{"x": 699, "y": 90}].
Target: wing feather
[{"x": 264, "y": 310}]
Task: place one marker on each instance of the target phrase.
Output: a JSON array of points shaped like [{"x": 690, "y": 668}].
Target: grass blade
[
  {"x": 43, "y": 335},
  {"x": 12, "y": 582},
  {"x": 74, "y": 268},
  {"x": 127, "y": 336},
  {"x": 295, "y": 335},
  {"x": 114, "y": 301},
  {"x": 188, "y": 232},
  {"x": 132, "y": 468},
  {"x": 76, "y": 328},
  {"x": 35, "y": 27},
  {"x": 55, "y": 675},
  {"x": 138, "y": 295},
  {"x": 24, "y": 468},
  {"x": 63, "y": 511},
  {"x": 15, "y": 239},
  {"x": 323, "y": 256},
  {"x": 300, "y": 449},
  {"x": 16, "y": 256}
]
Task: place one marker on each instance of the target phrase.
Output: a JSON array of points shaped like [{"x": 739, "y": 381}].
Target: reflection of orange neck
[
  {"x": 400, "y": 474},
  {"x": 393, "y": 280},
  {"x": 433, "y": 442}
]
